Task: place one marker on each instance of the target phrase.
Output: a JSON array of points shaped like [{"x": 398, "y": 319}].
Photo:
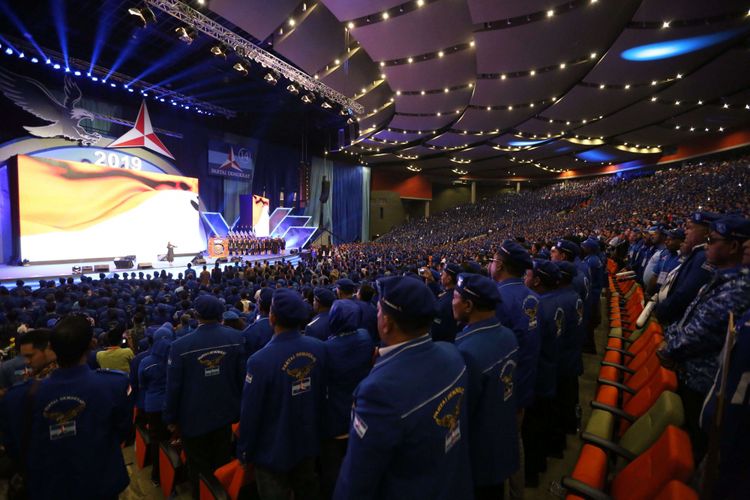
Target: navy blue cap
[
  {"x": 676, "y": 234},
  {"x": 288, "y": 304},
  {"x": 658, "y": 228},
  {"x": 325, "y": 296},
  {"x": 435, "y": 274},
  {"x": 543, "y": 254},
  {"x": 230, "y": 315},
  {"x": 281, "y": 282},
  {"x": 567, "y": 269},
  {"x": 264, "y": 299},
  {"x": 734, "y": 227},
  {"x": 478, "y": 288},
  {"x": 568, "y": 247},
  {"x": 705, "y": 218},
  {"x": 591, "y": 242},
  {"x": 472, "y": 267},
  {"x": 345, "y": 316},
  {"x": 405, "y": 297},
  {"x": 346, "y": 285},
  {"x": 208, "y": 307},
  {"x": 452, "y": 269},
  {"x": 547, "y": 271},
  {"x": 513, "y": 252}
]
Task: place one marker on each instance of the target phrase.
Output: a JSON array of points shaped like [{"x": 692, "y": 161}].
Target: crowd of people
[{"x": 441, "y": 361}]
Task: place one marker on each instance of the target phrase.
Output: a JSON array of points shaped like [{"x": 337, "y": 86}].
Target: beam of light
[
  {"x": 133, "y": 40},
  {"x": 172, "y": 56},
  {"x": 524, "y": 143},
  {"x": 102, "y": 31},
  {"x": 10, "y": 49},
  {"x": 182, "y": 74},
  {"x": 21, "y": 28},
  {"x": 58, "y": 14},
  {"x": 596, "y": 155},
  {"x": 201, "y": 83},
  {"x": 673, "y": 48}
]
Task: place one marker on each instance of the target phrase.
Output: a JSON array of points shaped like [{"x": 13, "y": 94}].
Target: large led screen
[{"x": 70, "y": 211}]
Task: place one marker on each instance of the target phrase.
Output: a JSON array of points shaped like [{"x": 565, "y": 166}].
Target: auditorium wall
[
  {"x": 445, "y": 197},
  {"x": 386, "y": 211}
]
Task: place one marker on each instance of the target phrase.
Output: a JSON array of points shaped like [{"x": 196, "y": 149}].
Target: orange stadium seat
[{"x": 142, "y": 447}]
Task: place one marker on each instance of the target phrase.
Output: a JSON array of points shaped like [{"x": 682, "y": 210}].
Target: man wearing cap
[
  {"x": 693, "y": 343},
  {"x": 345, "y": 290},
  {"x": 693, "y": 273},
  {"x": 282, "y": 403},
  {"x": 260, "y": 332},
  {"x": 322, "y": 301},
  {"x": 667, "y": 260},
  {"x": 543, "y": 278},
  {"x": 444, "y": 326},
  {"x": 734, "y": 437},
  {"x": 657, "y": 235},
  {"x": 490, "y": 353},
  {"x": 408, "y": 432},
  {"x": 204, "y": 383},
  {"x": 517, "y": 310},
  {"x": 349, "y": 360},
  {"x": 568, "y": 251}
]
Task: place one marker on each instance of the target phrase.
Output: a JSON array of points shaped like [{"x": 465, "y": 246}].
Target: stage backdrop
[{"x": 69, "y": 211}]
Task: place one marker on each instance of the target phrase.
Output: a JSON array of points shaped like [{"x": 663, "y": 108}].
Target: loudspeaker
[
  {"x": 145, "y": 265},
  {"x": 87, "y": 269},
  {"x": 325, "y": 188},
  {"x": 198, "y": 259},
  {"x": 124, "y": 262},
  {"x": 101, "y": 268}
]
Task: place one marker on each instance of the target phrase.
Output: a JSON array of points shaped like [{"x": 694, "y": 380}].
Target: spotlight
[
  {"x": 144, "y": 13},
  {"x": 185, "y": 34},
  {"x": 219, "y": 51},
  {"x": 238, "y": 66},
  {"x": 291, "y": 88},
  {"x": 34, "y": 60},
  {"x": 308, "y": 98},
  {"x": 325, "y": 105},
  {"x": 270, "y": 79},
  {"x": 9, "y": 51}
]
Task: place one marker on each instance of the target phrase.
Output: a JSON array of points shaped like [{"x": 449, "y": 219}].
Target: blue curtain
[
  {"x": 276, "y": 170},
  {"x": 347, "y": 203},
  {"x": 365, "y": 203},
  {"x": 320, "y": 168}
]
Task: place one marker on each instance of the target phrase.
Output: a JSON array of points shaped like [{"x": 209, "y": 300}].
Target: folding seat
[
  {"x": 142, "y": 447},
  {"x": 171, "y": 468},
  {"x": 677, "y": 490},
  {"x": 669, "y": 458},
  {"x": 226, "y": 482}
]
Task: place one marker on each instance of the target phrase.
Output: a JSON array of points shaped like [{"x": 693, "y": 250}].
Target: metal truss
[{"x": 248, "y": 50}]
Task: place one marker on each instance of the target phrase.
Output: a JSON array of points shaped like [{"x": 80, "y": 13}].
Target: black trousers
[
  {"x": 158, "y": 432},
  {"x": 332, "y": 453},
  {"x": 489, "y": 492},
  {"x": 692, "y": 402},
  {"x": 206, "y": 453},
  {"x": 302, "y": 480},
  {"x": 537, "y": 433}
]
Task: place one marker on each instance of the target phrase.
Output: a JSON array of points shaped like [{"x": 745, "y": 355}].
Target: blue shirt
[
  {"x": 444, "y": 326},
  {"x": 204, "y": 379},
  {"x": 79, "y": 419},
  {"x": 282, "y": 402},
  {"x": 694, "y": 272},
  {"x": 318, "y": 327},
  {"x": 518, "y": 310},
  {"x": 408, "y": 435},
  {"x": 257, "y": 335},
  {"x": 490, "y": 351}
]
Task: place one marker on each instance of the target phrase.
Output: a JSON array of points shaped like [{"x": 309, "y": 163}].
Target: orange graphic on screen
[
  {"x": 260, "y": 208},
  {"x": 86, "y": 194}
]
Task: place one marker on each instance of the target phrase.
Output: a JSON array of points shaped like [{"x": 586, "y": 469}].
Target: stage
[{"x": 33, "y": 273}]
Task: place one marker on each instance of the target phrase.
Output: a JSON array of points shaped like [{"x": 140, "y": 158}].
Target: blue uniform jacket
[
  {"x": 282, "y": 402},
  {"x": 695, "y": 341},
  {"x": 257, "y": 335},
  {"x": 735, "y": 432},
  {"x": 138, "y": 393},
  {"x": 408, "y": 435},
  {"x": 551, "y": 327},
  {"x": 444, "y": 326},
  {"x": 518, "y": 310},
  {"x": 152, "y": 377},
  {"x": 318, "y": 327},
  {"x": 79, "y": 419},
  {"x": 573, "y": 334},
  {"x": 490, "y": 351},
  {"x": 692, "y": 275},
  {"x": 596, "y": 268},
  {"x": 204, "y": 379},
  {"x": 369, "y": 319}
]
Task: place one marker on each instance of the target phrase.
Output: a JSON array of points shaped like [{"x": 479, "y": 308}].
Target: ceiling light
[
  {"x": 292, "y": 22},
  {"x": 385, "y": 16},
  {"x": 679, "y": 75},
  {"x": 627, "y": 86},
  {"x": 382, "y": 63},
  {"x": 532, "y": 72},
  {"x": 238, "y": 66},
  {"x": 593, "y": 55},
  {"x": 601, "y": 86},
  {"x": 510, "y": 108},
  {"x": 700, "y": 103},
  {"x": 503, "y": 77},
  {"x": 721, "y": 129},
  {"x": 725, "y": 106},
  {"x": 292, "y": 88},
  {"x": 410, "y": 60},
  {"x": 421, "y": 93},
  {"x": 350, "y": 25},
  {"x": 550, "y": 13},
  {"x": 653, "y": 82},
  {"x": 326, "y": 105},
  {"x": 420, "y": 3},
  {"x": 144, "y": 13},
  {"x": 337, "y": 62},
  {"x": 653, "y": 99},
  {"x": 665, "y": 24},
  {"x": 445, "y": 89},
  {"x": 270, "y": 78},
  {"x": 489, "y": 108},
  {"x": 185, "y": 34},
  {"x": 471, "y": 44},
  {"x": 308, "y": 98},
  {"x": 219, "y": 51},
  {"x": 398, "y": 92},
  {"x": 562, "y": 65},
  {"x": 441, "y": 53}
]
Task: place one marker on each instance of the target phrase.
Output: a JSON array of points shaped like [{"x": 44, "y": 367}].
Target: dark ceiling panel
[{"x": 258, "y": 17}]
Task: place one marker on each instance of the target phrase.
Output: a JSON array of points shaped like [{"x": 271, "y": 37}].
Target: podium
[{"x": 218, "y": 248}]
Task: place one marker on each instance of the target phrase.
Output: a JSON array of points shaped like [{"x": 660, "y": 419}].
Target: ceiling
[{"x": 495, "y": 89}]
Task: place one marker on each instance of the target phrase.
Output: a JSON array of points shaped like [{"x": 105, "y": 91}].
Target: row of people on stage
[{"x": 246, "y": 243}]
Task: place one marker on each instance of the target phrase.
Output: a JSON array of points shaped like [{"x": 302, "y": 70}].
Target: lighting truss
[{"x": 248, "y": 50}]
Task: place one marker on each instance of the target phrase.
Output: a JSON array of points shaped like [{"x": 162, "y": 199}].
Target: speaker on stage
[
  {"x": 145, "y": 265},
  {"x": 125, "y": 262},
  {"x": 101, "y": 268},
  {"x": 325, "y": 188}
]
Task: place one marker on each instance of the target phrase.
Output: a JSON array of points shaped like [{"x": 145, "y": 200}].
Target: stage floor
[{"x": 32, "y": 274}]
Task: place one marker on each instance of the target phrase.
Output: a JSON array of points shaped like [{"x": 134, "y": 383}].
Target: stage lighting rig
[
  {"x": 144, "y": 13},
  {"x": 185, "y": 34},
  {"x": 326, "y": 105},
  {"x": 270, "y": 78},
  {"x": 308, "y": 98},
  {"x": 291, "y": 88},
  {"x": 239, "y": 67}
]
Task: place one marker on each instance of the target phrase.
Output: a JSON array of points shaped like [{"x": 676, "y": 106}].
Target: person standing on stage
[{"x": 170, "y": 252}]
